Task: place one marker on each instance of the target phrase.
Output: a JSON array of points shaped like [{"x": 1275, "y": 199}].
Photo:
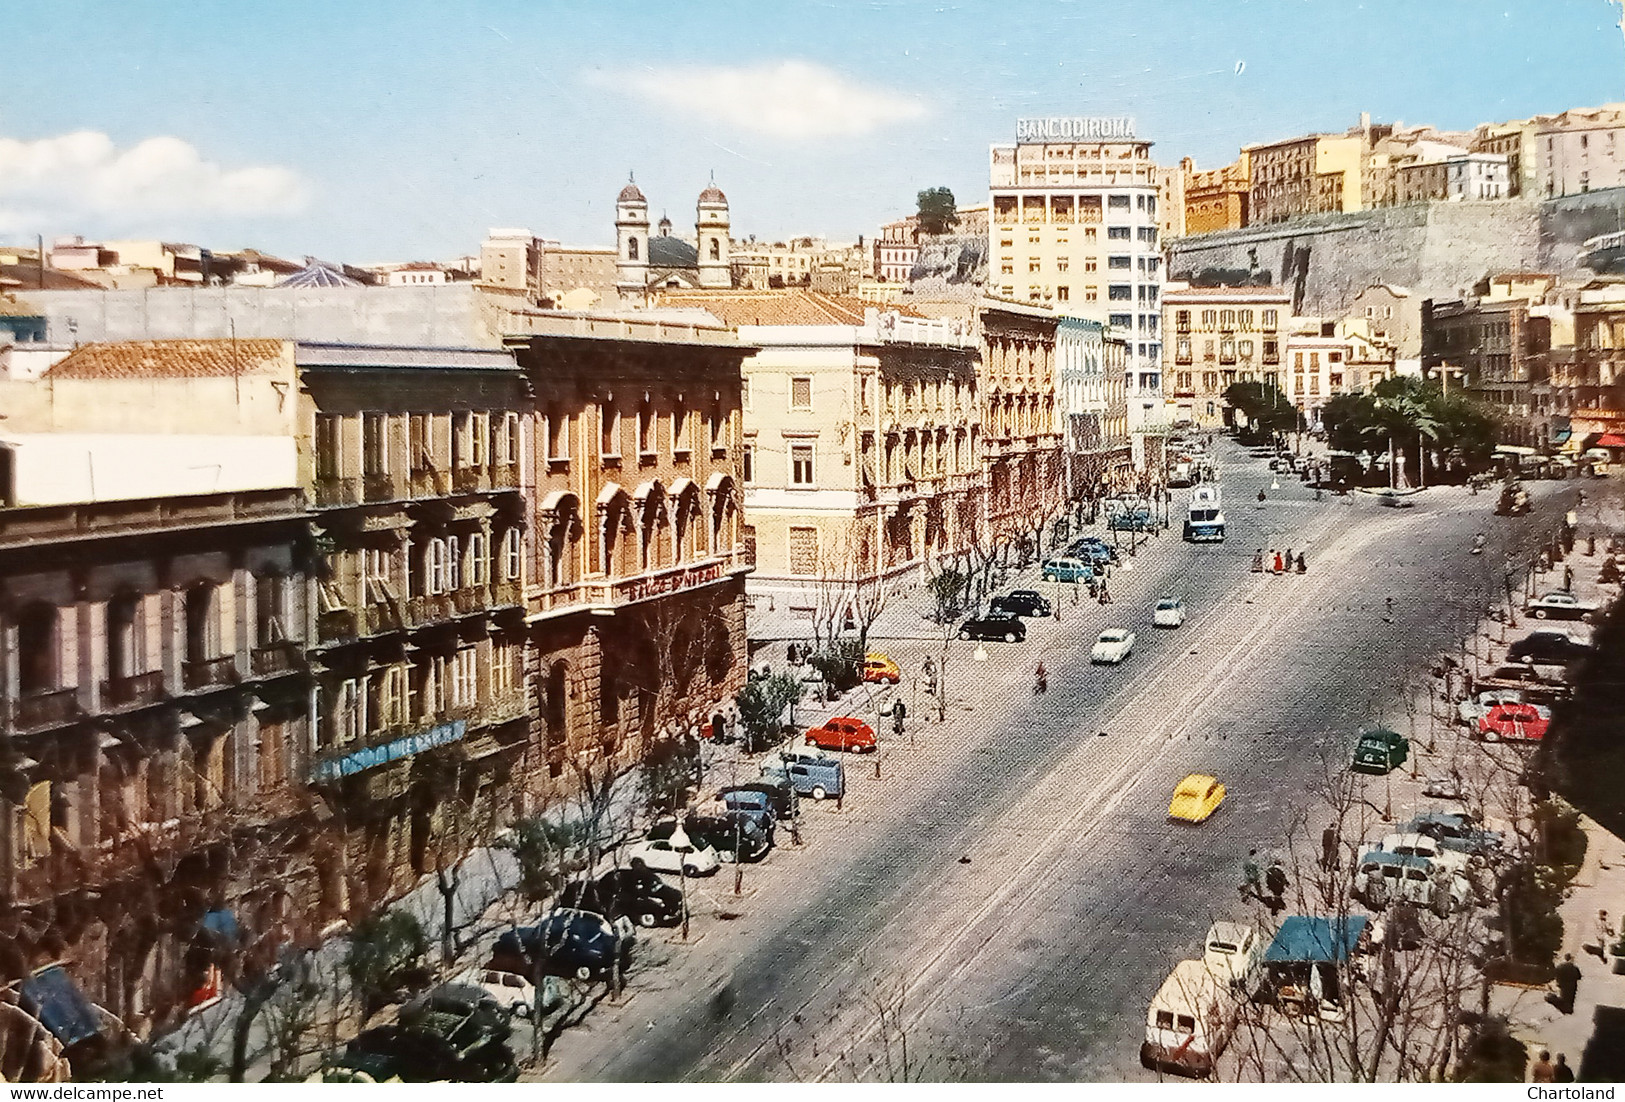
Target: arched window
[
  {"x": 126, "y": 634},
  {"x": 202, "y": 623},
  {"x": 631, "y": 248},
  {"x": 716, "y": 249},
  {"x": 38, "y": 650}
]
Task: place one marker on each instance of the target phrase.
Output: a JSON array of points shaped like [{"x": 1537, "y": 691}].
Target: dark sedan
[
  {"x": 994, "y": 626},
  {"x": 1022, "y": 602},
  {"x": 781, "y": 798},
  {"x": 567, "y": 942},
  {"x": 637, "y": 894},
  {"x": 1549, "y": 648}
]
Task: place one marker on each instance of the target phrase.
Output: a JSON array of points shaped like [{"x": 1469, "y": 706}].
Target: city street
[{"x": 1010, "y": 892}]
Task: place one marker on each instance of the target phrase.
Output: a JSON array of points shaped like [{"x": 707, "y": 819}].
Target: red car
[
  {"x": 843, "y": 733},
  {"x": 1514, "y": 722}
]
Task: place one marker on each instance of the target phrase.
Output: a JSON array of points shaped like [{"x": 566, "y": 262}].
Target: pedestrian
[
  {"x": 1040, "y": 680},
  {"x": 1328, "y": 848},
  {"x": 1389, "y": 604},
  {"x": 1105, "y": 597},
  {"x": 1289, "y": 559},
  {"x": 1278, "y": 567},
  {"x": 1543, "y": 1071},
  {"x": 1303, "y": 566},
  {"x": 1602, "y": 933},
  {"x": 1258, "y": 561},
  {"x": 1275, "y": 881},
  {"x": 1562, "y": 1073},
  {"x": 1567, "y": 978},
  {"x": 1251, "y": 876},
  {"x": 1261, "y": 497},
  {"x": 1568, "y": 579},
  {"x": 790, "y": 653}
]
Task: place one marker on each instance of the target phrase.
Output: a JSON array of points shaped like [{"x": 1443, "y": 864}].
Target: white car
[
  {"x": 512, "y": 991},
  {"x": 1560, "y": 605},
  {"x": 1113, "y": 645},
  {"x": 1233, "y": 954},
  {"x": 1170, "y": 613},
  {"x": 690, "y": 856},
  {"x": 1475, "y": 708}
]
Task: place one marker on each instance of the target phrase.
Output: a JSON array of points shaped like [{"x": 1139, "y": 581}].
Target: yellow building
[
  {"x": 1219, "y": 336},
  {"x": 1216, "y": 199}
]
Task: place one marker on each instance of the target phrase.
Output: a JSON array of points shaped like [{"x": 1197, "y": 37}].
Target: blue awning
[
  {"x": 51, "y": 996},
  {"x": 1302, "y": 938}
]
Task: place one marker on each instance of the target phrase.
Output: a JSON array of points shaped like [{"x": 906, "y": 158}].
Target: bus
[{"x": 1204, "y": 520}]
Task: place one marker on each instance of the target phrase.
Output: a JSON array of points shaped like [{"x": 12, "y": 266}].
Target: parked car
[
  {"x": 408, "y": 1054},
  {"x": 756, "y": 806},
  {"x": 1190, "y": 1021},
  {"x": 1170, "y": 613},
  {"x": 566, "y": 942},
  {"x": 1137, "y": 519},
  {"x": 880, "y": 669},
  {"x": 1453, "y": 830},
  {"x": 809, "y": 775},
  {"x": 1515, "y": 723},
  {"x": 778, "y": 795},
  {"x": 1475, "y": 708},
  {"x": 513, "y": 992},
  {"x": 843, "y": 733},
  {"x": 1113, "y": 646},
  {"x": 734, "y": 837},
  {"x": 1560, "y": 605},
  {"x": 994, "y": 626},
  {"x": 1231, "y": 952},
  {"x": 1382, "y": 878},
  {"x": 1380, "y": 751},
  {"x": 1537, "y": 683},
  {"x": 1021, "y": 602},
  {"x": 691, "y": 856},
  {"x": 1552, "y": 648},
  {"x": 1196, "y": 798},
  {"x": 1413, "y": 843},
  {"x": 1066, "y": 569},
  {"x": 1097, "y": 554},
  {"x": 1443, "y": 788},
  {"x": 637, "y": 894}
]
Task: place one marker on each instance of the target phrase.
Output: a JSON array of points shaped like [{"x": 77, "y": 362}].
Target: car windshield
[
  {"x": 1167, "y": 606},
  {"x": 1111, "y": 637}
]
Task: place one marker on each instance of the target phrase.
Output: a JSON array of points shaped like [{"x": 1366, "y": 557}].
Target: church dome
[
  {"x": 713, "y": 194},
  {"x": 631, "y": 194}
]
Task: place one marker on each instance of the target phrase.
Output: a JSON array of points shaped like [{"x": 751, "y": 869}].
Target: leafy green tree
[
  {"x": 385, "y": 954},
  {"x": 671, "y": 773},
  {"x": 949, "y": 591},
  {"x": 937, "y": 211},
  {"x": 1529, "y": 902},
  {"x": 549, "y": 852},
  {"x": 840, "y": 664},
  {"x": 761, "y": 703},
  {"x": 1346, "y": 417},
  {"x": 1267, "y": 410}
]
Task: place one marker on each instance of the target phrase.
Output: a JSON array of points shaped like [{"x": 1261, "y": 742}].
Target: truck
[
  {"x": 1204, "y": 519},
  {"x": 1189, "y": 1022}
]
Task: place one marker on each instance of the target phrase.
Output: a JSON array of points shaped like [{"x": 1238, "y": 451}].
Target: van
[
  {"x": 1232, "y": 952},
  {"x": 1189, "y": 1022},
  {"x": 808, "y": 775},
  {"x": 1385, "y": 878}
]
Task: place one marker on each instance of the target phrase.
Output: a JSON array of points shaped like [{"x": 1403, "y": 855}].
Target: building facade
[
  {"x": 648, "y": 263},
  {"x": 1216, "y": 199},
  {"x": 1569, "y": 153},
  {"x": 1328, "y": 358},
  {"x": 1499, "y": 348},
  {"x": 1315, "y": 174},
  {"x": 896, "y": 249},
  {"x": 1092, "y": 406},
  {"x": 1219, "y": 336}
]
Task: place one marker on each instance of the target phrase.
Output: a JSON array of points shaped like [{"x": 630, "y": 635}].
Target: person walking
[
  {"x": 1602, "y": 936},
  {"x": 1040, "y": 680},
  {"x": 1277, "y": 568},
  {"x": 1258, "y": 561},
  {"x": 1328, "y": 849},
  {"x": 1544, "y": 1070},
  {"x": 1288, "y": 566},
  {"x": 1567, "y": 978},
  {"x": 1251, "y": 876},
  {"x": 1561, "y": 1072},
  {"x": 1303, "y": 566}
]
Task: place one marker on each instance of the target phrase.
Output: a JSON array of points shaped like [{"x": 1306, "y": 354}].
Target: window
[
  {"x": 1117, "y": 202},
  {"x": 1007, "y": 268},
  {"x": 465, "y": 679},
  {"x": 1245, "y": 348},
  {"x": 270, "y": 609},
  {"x": 631, "y": 248},
  {"x": 1063, "y": 263},
  {"x": 801, "y": 393},
  {"x": 1118, "y": 233},
  {"x": 748, "y": 463},
  {"x": 1090, "y": 264},
  {"x": 557, "y": 426},
  {"x": 460, "y": 433},
  {"x": 479, "y": 562},
  {"x": 435, "y": 566},
  {"x": 1091, "y": 293},
  {"x": 375, "y": 444},
  {"x": 609, "y": 432},
  {"x": 1148, "y": 234},
  {"x": 803, "y": 549},
  {"x": 646, "y": 429},
  {"x": 479, "y": 439},
  {"x": 1269, "y": 319},
  {"x": 1120, "y": 263},
  {"x": 1063, "y": 293},
  {"x": 801, "y": 465},
  {"x": 1032, "y": 264},
  {"x": 454, "y": 563},
  {"x": 1182, "y": 321},
  {"x": 419, "y": 443},
  {"x": 1120, "y": 292},
  {"x": 1122, "y": 321},
  {"x": 508, "y": 439},
  {"x": 512, "y": 554},
  {"x": 328, "y": 455}
]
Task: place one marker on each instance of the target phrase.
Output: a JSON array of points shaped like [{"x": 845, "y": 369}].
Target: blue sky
[{"x": 402, "y": 130}]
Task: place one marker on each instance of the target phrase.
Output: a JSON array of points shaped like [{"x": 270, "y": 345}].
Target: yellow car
[
  {"x": 1197, "y": 797},
  {"x": 878, "y": 668}
]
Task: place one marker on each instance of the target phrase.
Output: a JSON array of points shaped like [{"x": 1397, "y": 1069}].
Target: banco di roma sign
[{"x": 1074, "y": 127}]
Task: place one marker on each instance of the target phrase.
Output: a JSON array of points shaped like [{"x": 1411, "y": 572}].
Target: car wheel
[
  {"x": 1540, "y": 614},
  {"x": 521, "y": 1010},
  {"x": 1009, "y": 637},
  {"x": 1587, "y": 617},
  {"x": 818, "y": 792},
  {"x": 690, "y": 870},
  {"x": 646, "y": 920},
  {"x": 896, "y": 680},
  {"x": 636, "y": 863},
  {"x": 583, "y": 973},
  {"x": 964, "y": 634}
]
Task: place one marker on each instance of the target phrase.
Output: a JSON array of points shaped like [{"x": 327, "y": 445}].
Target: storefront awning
[
  {"x": 52, "y": 996},
  {"x": 1610, "y": 440}
]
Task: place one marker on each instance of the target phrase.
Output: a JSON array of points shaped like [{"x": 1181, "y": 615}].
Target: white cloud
[
  {"x": 83, "y": 175},
  {"x": 784, "y": 99}
]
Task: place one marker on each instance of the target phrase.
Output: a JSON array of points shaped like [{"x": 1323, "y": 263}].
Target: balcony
[
  {"x": 338, "y": 623},
  {"x": 622, "y": 591},
  {"x": 469, "y": 600},
  {"x": 379, "y": 487},
  {"x": 210, "y": 673},
  {"x": 506, "y": 595},
  {"x": 134, "y": 691},
  {"x": 427, "y": 482},
  {"x": 47, "y": 709},
  {"x": 331, "y": 492},
  {"x": 379, "y": 618},
  {"x": 276, "y": 658},
  {"x": 469, "y": 480}
]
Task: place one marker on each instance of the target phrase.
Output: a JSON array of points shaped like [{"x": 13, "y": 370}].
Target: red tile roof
[
  {"x": 26, "y": 277},
  {"x": 787, "y": 306},
  {"x": 186, "y": 359}
]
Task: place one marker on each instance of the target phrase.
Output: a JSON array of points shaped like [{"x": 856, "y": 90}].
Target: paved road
[{"x": 1011, "y": 892}]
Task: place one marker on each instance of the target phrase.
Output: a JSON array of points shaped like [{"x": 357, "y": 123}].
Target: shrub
[
  {"x": 1561, "y": 841},
  {"x": 760, "y": 704},
  {"x": 949, "y": 591},
  {"x": 548, "y": 852},
  {"x": 1529, "y": 902},
  {"x": 385, "y": 952},
  {"x": 1492, "y": 1055},
  {"x": 840, "y": 664}
]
